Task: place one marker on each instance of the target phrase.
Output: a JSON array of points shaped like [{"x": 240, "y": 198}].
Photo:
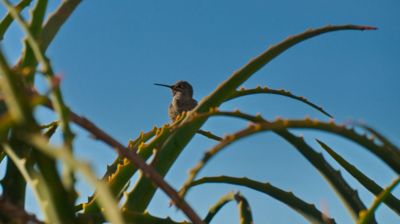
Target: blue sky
[{"x": 109, "y": 56}]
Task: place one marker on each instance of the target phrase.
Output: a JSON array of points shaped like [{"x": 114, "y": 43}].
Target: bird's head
[{"x": 182, "y": 88}]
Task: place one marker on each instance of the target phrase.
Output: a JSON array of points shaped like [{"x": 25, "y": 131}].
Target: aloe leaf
[
  {"x": 245, "y": 216},
  {"x": 367, "y": 182},
  {"x": 218, "y": 205},
  {"x": 146, "y": 218},
  {"x": 209, "y": 135},
  {"x": 386, "y": 142},
  {"x": 28, "y": 58},
  {"x": 388, "y": 156},
  {"x": 179, "y": 139},
  {"x": 38, "y": 14},
  {"x": 6, "y": 122},
  {"x": 145, "y": 151},
  {"x": 348, "y": 195},
  {"x": 7, "y": 20},
  {"x": 49, "y": 74},
  {"x": 112, "y": 169},
  {"x": 146, "y": 169},
  {"x": 13, "y": 183},
  {"x": 307, "y": 210},
  {"x": 56, "y": 20},
  {"x": 56, "y": 95},
  {"x": 17, "y": 103},
  {"x": 245, "y": 92},
  {"x": 105, "y": 197},
  {"x": 125, "y": 169},
  {"x": 55, "y": 189},
  {"x": 45, "y": 184},
  {"x": 39, "y": 187},
  {"x": 20, "y": 113},
  {"x": 130, "y": 217},
  {"x": 367, "y": 216},
  {"x": 133, "y": 145}
]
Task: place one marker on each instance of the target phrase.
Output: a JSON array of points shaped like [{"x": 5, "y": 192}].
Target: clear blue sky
[{"x": 111, "y": 53}]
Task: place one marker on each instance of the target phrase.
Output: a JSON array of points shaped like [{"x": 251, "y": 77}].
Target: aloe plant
[{"x": 32, "y": 159}]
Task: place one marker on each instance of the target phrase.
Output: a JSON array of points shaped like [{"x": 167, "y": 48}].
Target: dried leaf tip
[{"x": 368, "y": 28}]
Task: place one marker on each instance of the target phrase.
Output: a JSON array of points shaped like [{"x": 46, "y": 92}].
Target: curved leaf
[
  {"x": 245, "y": 216},
  {"x": 209, "y": 135},
  {"x": 307, "y": 210},
  {"x": 388, "y": 156},
  {"x": 367, "y": 216},
  {"x": 7, "y": 20},
  {"x": 245, "y": 92},
  {"x": 113, "y": 171},
  {"x": 217, "y": 206},
  {"x": 56, "y": 20},
  {"x": 56, "y": 95},
  {"x": 105, "y": 198},
  {"x": 40, "y": 188},
  {"x": 368, "y": 183},
  {"x": 386, "y": 142}
]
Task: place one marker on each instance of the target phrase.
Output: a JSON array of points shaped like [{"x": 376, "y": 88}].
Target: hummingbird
[{"x": 182, "y": 98}]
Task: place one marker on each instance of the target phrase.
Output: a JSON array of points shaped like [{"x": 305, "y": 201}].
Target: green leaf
[
  {"x": 105, "y": 197},
  {"x": 367, "y": 182},
  {"x": 145, "y": 218},
  {"x": 367, "y": 216},
  {"x": 48, "y": 202},
  {"x": 56, "y": 96},
  {"x": 245, "y": 216},
  {"x": 56, "y": 20},
  {"x": 7, "y": 20},
  {"x": 245, "y": 92},
  {"x": 349, "y": 196},
  {"x": 218, "y": 205},
  {"x": 307, "y": 210},
  {"x": 387, "y": 155}
]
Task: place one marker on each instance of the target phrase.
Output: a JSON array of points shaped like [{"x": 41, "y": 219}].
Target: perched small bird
[{"x": 182, "y": 98}]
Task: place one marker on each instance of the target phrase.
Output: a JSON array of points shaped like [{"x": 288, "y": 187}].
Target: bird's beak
[{"x": 158, "y": 84}]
